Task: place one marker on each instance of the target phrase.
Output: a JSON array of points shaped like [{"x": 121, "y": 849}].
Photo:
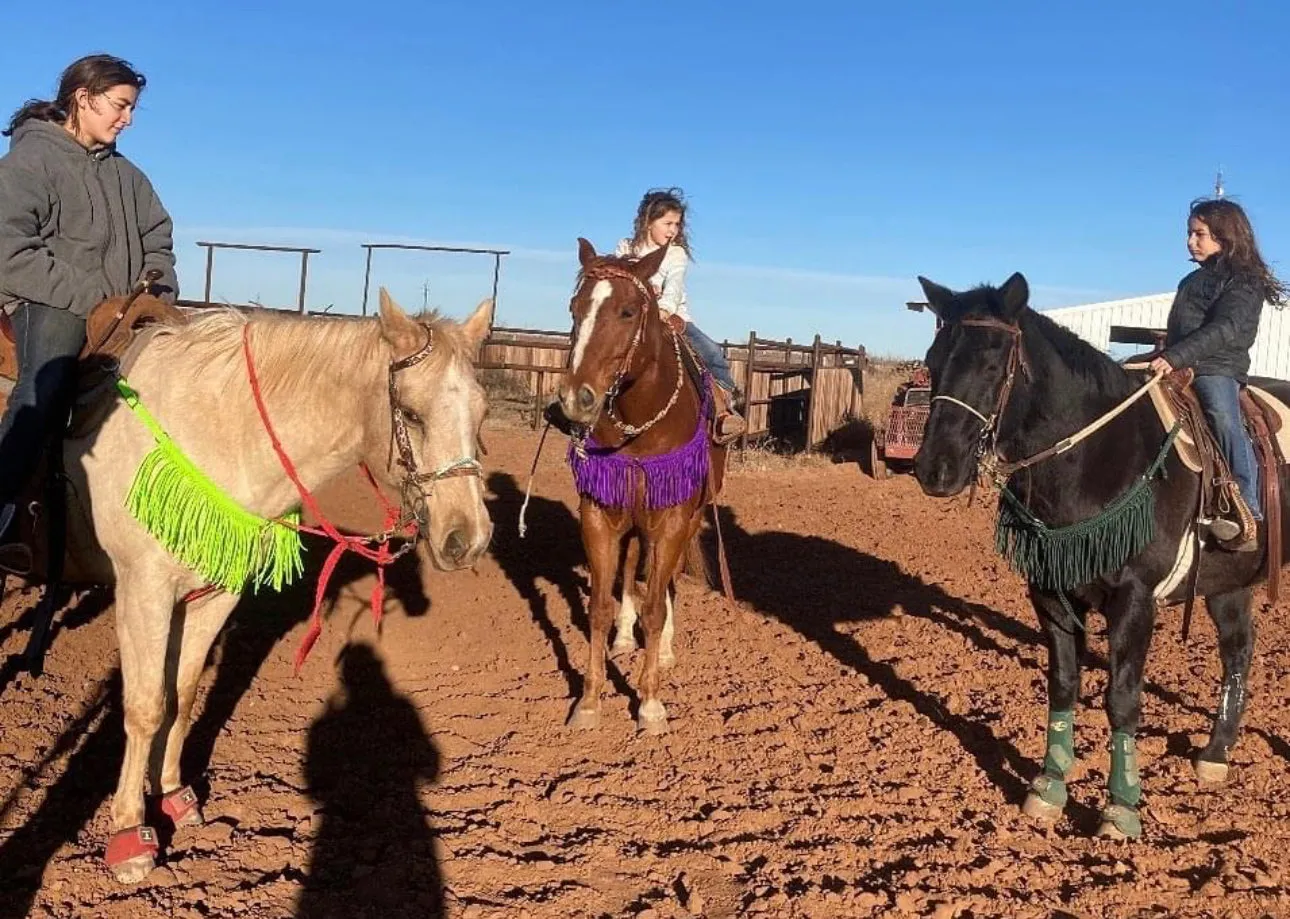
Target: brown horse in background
[{"x": 642, "y": 460}]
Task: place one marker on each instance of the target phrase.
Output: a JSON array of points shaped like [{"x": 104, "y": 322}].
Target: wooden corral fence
[{"x": 795, "y": 393}]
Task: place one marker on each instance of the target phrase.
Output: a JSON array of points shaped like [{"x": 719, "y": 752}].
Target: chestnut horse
[{"x": 643, "y": 463}]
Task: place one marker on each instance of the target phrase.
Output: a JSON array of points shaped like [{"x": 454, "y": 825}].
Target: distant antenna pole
[
  {"x": 425, "y": 295},
  {"x": 1218, "y": 183}
]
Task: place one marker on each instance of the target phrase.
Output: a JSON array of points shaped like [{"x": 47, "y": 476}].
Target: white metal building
[{"x": 1092, "y": 322}]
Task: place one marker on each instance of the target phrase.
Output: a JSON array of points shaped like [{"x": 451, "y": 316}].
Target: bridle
[
  {"x": 987, "y": 450},
  {"x": 414, "y": 497},
  {"x": 605, "y": 272},
  {"x": 988, "y": 459},
  {"x": 412, "y": 514},
  {"x": 408, "y": 520}
]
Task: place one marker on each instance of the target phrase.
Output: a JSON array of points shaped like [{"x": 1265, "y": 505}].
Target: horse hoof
[
  {"x": 1046, "y": 800},
  {"x": 132, "y": 853},
  {"x": 652, "y": 727},
  {"x": 134, "y": 870},
  {"x": 653, "y": 718},
  {"x": 1036, "y": 808},
  {"x": 182, "y": 808},
  {"x": 1211, "y": 773},
  {"x": 585, "y": 719},
  {"x": 1119, "y": 823}
]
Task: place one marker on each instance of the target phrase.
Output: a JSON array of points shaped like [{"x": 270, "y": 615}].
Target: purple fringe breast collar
[{"x": 608, "y": 476}]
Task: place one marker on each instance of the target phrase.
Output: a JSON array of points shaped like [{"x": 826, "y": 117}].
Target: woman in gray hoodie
[{"x": 78, "y": 223}]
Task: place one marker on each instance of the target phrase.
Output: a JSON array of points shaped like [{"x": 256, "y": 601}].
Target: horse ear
[
  {"x": 938, "y": 297},
  {"x": 1016, "y": 295},
  {"x": 647, "y": 267},
  {"x": 477, "y": 327},
  {"x": 396, "y": 328},
  {"x": 586, "y": 252}
]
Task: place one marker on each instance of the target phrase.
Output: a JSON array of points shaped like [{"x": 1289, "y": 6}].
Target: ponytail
[{"x": 35, "y": 110}]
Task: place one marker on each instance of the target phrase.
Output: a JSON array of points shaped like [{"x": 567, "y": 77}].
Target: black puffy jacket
[{"x": 1214, "y": 320}]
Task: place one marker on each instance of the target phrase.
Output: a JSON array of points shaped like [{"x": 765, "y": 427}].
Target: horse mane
[
  {"x": 292, "y": 353},
  {"x": 1077, "y": 355},
  {"x": 1080, "y": 357}
]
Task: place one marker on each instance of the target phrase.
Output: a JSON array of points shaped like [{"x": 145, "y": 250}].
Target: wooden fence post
[
  {"x": 537, "y": 399},
  {"x": 810, "y": 393},
  {"x": 748, "y": 390}
]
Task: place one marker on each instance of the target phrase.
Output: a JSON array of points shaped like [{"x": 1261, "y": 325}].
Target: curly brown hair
[
  {"x": 1229, "y": 225},
  {"x": 656, "y": 203}
]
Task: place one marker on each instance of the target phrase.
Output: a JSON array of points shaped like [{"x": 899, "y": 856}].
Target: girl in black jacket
[{"x": 1212, "y": 326}]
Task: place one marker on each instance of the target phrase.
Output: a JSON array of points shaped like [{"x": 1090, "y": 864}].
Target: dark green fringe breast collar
[{"x": 1064, "y": 558}]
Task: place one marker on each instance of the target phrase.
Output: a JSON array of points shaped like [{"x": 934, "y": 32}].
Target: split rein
[
  {"x": 988, "y": 459},
  {"x": 406, "y": 520}
]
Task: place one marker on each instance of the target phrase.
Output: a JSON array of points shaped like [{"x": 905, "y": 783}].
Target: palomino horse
[
  {"x": 328, "y": 393},
  {"x": 646, "y": 470},
  {"x": 1103, "y": 529}
]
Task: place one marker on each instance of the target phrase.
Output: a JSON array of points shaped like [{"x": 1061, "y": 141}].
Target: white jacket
[{"x": 669, "y": 280}]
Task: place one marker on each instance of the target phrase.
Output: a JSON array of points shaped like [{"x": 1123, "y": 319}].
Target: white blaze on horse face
[
  {"x": 599, "y": 294},
  {"x": 456, "y": 504}
]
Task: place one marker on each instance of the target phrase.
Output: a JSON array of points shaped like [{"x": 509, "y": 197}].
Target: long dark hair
[
  {"x": 1229, "y": 225},
  {"x": 94, "y": 73},
  {"x": 656, "y": 203}
]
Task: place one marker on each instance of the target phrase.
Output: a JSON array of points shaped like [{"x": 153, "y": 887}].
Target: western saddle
[
  {"x": 110, "y": 328},
  {"x": 1267, "y": 421}
]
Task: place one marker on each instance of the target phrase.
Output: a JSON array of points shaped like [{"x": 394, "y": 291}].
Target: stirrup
[
  {"x": 727, "y": 426},
  {"x": 1223, "y": 529}
]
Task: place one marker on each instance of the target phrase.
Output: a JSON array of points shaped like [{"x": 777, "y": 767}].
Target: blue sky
[{"x": 832, "y": 151}]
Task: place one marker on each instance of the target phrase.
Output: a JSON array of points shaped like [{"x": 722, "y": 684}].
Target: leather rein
[{"x": 987, "y": 451}]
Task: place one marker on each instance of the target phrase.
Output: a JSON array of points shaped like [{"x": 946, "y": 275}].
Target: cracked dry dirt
[{"x": 854, "y": 739}]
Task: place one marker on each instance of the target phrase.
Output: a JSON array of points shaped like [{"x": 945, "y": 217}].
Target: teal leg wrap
[
  {"x": 1126, "y": 786},
  {"x": 1050, "y": 786},
  {"x": 1061, "y": 744}
]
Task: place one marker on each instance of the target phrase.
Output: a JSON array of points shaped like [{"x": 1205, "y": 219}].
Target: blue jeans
[
  {"x": 1221, "y": 398},
  {"x": 710, "y": 352},
  {"x": 48, "y": 342}
]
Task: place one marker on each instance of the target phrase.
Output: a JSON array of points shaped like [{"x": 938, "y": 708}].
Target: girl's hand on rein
[
  {"x": 1160, "y": 365},
  {"x": 675, "y": 323}
]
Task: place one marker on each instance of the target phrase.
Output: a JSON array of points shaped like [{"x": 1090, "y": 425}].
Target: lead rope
[{"x": 528, "y": 489}]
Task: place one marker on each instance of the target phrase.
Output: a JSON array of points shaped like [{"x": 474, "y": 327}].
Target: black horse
[{"x": 1105, "y": 524}]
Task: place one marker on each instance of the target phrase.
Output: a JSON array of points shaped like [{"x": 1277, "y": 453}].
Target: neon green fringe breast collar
[{"x": 203, "y": 527}]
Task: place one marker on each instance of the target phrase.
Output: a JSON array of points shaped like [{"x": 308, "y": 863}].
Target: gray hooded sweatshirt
[{"x": 77, "y": 226}]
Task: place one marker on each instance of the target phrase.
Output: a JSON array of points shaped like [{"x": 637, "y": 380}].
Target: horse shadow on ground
[
  {"x": 551, "y": 552},
  {"x": 367, "y": 756},
  {"x": 97, "y": 736},
  {"x": 77, "y": 607},
  {"x": 804, "y": 581},
  {"x": 815, "y": 585},
  {"x": 70, "y": 803}
]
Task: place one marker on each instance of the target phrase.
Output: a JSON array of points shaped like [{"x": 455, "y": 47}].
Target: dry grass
[{"x": 881, "y": 381}]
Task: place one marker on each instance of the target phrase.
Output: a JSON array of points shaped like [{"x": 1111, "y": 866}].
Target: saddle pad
[{"x": 1282, "y": 436}]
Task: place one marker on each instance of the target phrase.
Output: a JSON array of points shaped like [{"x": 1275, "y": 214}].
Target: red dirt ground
[{"x": 854, "y": 739}]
